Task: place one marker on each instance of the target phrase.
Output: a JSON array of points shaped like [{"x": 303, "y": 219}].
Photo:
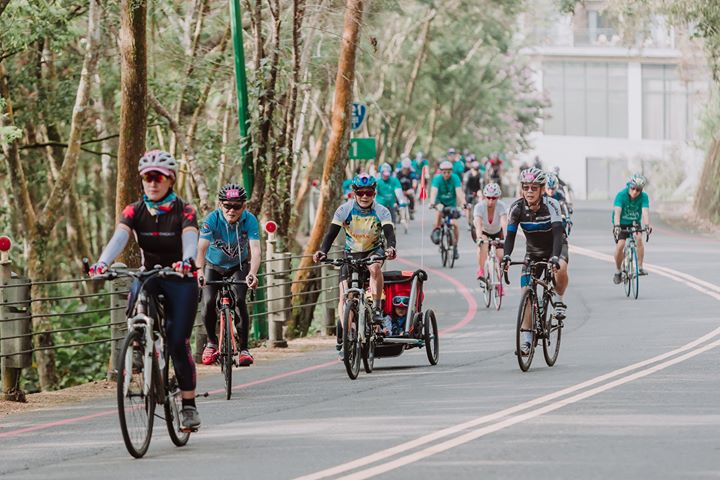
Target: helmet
[
  {"x": 451, "y": 151},
  {"x": 158, "y": 160},
  {"x": 552, "y": 181},
  {"x": 533, "y": 175},
  {"x": 446, "y": 165},
  {"x": 385, "y": 168},
  {"x": 364, "y": 181},
  {"x": 637, "y": 180},
  {"x": 232, "y": 191},
  {"x": 419, "y": 155},
  {"x": 401, "y": 301},
  {"x": 492, "y": 190},
  {"x": 406, "y": 163}
]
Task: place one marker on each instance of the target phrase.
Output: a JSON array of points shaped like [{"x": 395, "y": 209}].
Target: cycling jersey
[
  {"x": 459, "y": 168},
  {"x": 418, "y": 166},
  {"x": 363, "y": 227},
  {"x": 631, "y": 209},
  {"x": 406, "y": 179},
  {"x": 159, "y": 236},
  {"x": 543, "y": 229},
  {"x": 446, "y": 189},
  {"x": 386, "y": 192},
  {"x": 559, "y": 196},
  {"x": 472, "y": 183},
  {"x": 490, "y": 225},
  {"x": 227, "y": 240}
]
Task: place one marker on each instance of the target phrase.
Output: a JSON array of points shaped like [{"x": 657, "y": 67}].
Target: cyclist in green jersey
[
  {"x": 631, "y": 206},
  {"x": 389, "y": 191},
  {"x": 446, "y": 191},
  {"x": 419, "y": 162}
]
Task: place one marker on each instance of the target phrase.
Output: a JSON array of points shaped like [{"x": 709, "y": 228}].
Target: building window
[
  {"x": 670, "y": 105},
  {"x": 587, "y": 99}
]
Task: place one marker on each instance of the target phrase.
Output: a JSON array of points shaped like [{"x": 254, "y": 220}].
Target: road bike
[
  {"x": 447, "y": 236},
  {"x": 536, "y": 302},
  {"x": 359, "y": 328},
  {"x": 145, "y": 373},
  {"x": 491, "y": 283},
  {"x": 225, "y": 304},
  {"x": 630, "y": 265}
]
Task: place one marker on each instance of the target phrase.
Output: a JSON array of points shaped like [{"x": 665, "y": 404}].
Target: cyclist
[
  {"x": 166, "y": 230},
  {"x": 458, "y": 162},
  {"x": 493, "y": 171},
  {"x": 389, "y": 191},
  {"x": 229, "y": 247},
  {"x": 368, "y": 231},
  {"x": 472, "y": 182},
  {"x": 565, "y": 188},
  {"x": 552, "y": 191},
  {"x": 539, "y": 217},
  {"x": 419, "y": 162},
  {"x": 490, "y": 218},
  {"x": 446, "y": 190},
  {"x": 408, "y": 179},
  {"x": 632, "y": 205}
]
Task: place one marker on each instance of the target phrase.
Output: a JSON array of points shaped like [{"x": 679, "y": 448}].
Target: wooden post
[{"x": 12, "y": 366}]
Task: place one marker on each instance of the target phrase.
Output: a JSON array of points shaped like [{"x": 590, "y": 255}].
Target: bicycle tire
[
  {"x": 137, "y": 427},
  {"x": 497, "y": 285},
  {"x": 431, "y": 337},
  {"x": 173, "y": 405},
  {"x": 368, "y": 356},
  {"x": 486, "y": 285},
  {"x": 626, "y": 272},
  {"x": 451, "y": 250},
  {"x": 635, "y": 278},
  {"x": 526, "y": 301},
  {"x": 443, "y": 246},
  {"x": 226, "y": 319},
  {"x": 351, "y": 350},
  {"x": 553, "y": 334}
]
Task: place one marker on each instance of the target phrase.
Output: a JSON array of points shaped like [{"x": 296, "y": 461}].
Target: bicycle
[
  {"x": 630, "y": 268},
  {"x": 359, "y": 335},
  {"x": 142, "y": 351},
  {"x": 403, "y": 215},
  {"x": 225, "y": 305},
  {"x": 447, "y": 236},
  {"x": 537, "y": 304},
  {"x": 491, "y": 284}
]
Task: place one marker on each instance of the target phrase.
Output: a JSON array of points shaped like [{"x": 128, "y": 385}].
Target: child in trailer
[{"x": 394, "y": 324}]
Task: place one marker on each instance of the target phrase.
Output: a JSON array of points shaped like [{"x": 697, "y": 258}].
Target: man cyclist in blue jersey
[
  {"x": 446, "y": 191},
  {"x": 229, "y": 247},
  {"x": 540, "y": 219},
  {"x": 166, "y": 230},
  {"x": 631, "y": 206},
  {"x": 368, "y": 231}
]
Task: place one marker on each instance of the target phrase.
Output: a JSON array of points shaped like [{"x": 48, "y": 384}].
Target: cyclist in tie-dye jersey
[{"x": 368, "y": 230}]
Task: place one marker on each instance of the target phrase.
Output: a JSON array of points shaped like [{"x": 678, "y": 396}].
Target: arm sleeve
[
  {"x": 389, "y": 231},
  {"x": 510, "y": 241},
  {"x": 115, "y": 246},
  {"x": 330, "y": 237},
  {"x": 513, "y": 221},
  {"x": 558, "y": 237},
  {"x": 189, "y": 244}
]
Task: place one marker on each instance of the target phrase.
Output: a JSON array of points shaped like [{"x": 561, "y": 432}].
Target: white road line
[{"x": 432, "y": 437}]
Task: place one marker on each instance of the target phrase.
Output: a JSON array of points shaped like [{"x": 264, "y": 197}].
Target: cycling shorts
[
  {"x": 539, "y": 271},
  {"x": 623, "y": 235}
]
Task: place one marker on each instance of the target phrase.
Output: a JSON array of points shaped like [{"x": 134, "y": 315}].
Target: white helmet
[
  {"x": 533, "y": 175},
  {"x": 492, "y": 190},
  {"x": 158, "y": 160},
  {"x": 406, "y": 163},
  {"x": 446, "y": 165},
  {"x": 637, "y": 180}
]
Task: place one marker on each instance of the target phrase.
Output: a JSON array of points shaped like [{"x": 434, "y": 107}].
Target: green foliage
[{"x": 7, "y": 133}]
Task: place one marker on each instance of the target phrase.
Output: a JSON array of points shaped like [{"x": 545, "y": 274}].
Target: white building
[{"x": 617, "y": 109}]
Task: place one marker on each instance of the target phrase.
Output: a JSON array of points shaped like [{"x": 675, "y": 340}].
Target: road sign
[
  {"x": 358, "y": 115},
  {"x": 363, "y": 149}
]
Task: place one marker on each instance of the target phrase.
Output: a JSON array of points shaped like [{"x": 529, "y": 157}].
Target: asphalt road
[{"x": 634, "y": 393}]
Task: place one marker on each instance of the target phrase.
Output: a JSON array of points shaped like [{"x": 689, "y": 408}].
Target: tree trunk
[
  {"x": 133, "y": 110},
  {"x": 333, "y": 168},
  {"x": 707, "y": 199}
]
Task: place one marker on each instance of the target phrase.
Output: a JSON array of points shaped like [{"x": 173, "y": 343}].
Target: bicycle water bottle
[{"x": 159, "y": 352}]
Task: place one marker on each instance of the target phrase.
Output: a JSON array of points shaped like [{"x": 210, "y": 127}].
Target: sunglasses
[
  {"x": 233, "y": 206},
  {"x": 401, "y": 302},
  {"x": 531, "y": 188},
  {"x": 365, "y": 193},
  {"x": 636, "y": 189},
  {"x": 153, "y": 177}
]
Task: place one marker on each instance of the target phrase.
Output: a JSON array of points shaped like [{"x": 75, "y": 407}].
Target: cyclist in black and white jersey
[{"x": 540, "y": 219}]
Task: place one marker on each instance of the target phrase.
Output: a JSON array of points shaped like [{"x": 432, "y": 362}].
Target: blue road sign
[{"x": 358, "y": 115}]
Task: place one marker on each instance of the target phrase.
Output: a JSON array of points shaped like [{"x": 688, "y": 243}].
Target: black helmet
[{"x": 232, "y": 191}]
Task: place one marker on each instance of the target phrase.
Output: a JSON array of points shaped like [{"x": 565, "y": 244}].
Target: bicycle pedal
[{"x": 188, "y": 430}]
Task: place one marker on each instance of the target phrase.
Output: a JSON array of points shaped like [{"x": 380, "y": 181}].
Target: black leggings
[
  {"x": 180, "y": 308},
  {"x": 209, "y": 313}
]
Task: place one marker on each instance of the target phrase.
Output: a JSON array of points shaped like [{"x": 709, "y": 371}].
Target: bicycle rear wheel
[
  {"x": 173, "y": 405},
  {"x": 351, "y": 341},
  {"x": 527, "y": 307},
  {"x": 553, "y": 332},
  {"x": 136, "y": 408},
  {"x": 635, "y": 275},
  {"x": 226, "y": 354},
  {"x": 431, "y": 337},
  {"x": 497, "y": 284},
  {"x": 368, "y": 349}
]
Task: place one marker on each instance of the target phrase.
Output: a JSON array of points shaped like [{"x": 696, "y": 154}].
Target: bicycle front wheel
[
  {"x": 226, "y": 320},
  {"x": 497, "y": 285},
  {"x": 553, "y": 331},
  {"x": 173, "y": 405},
  {"x": 351, "y": 340},
  {"x": 527, "y": 309},
  {"x": 635, "y": 275},
  {"x": 136, "y": 407},
  {"x": 451, "y": 248},
  {"x": 444, "y": 247},
  {"x": 486, "y": 285},
  {"x": 626, "y": 273}
]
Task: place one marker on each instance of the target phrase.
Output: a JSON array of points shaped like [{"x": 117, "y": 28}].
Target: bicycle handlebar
[
  {"x": 112, "y": 273},
  {"x": 339, "y": 262},
  {"x": 530, "y": 263},
  {"x": 225, "y": 282},
  {"x": 633, "y": 230}
]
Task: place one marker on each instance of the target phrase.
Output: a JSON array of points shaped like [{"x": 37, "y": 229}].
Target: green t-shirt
[
  {"x": 418, "y": 166},
  {"x": 386, "y": 191},
  {"x": 446, "y": 189},
  {"x": 459, "y": 168},
  {"x": 631, "y": 209}
]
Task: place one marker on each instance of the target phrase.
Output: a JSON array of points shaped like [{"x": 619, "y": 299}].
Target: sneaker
[
  {"x": 190, "y": 419},
  {"x": 642, "y": 271},
  {"x": 456, "y": 254},
  {"x": 560, "y": 310},
  {"x": 617, "y": 278},
  {"x": 210, "y": 355},
  {"x": 245, "y": 359},
  {"x": 481, "y": 274},
  {"x": 525, "y": 349},
  {"x": 387, "y": 326},
  {"x": 435, "y": 236},
  {"x": 338, "y": 347}
]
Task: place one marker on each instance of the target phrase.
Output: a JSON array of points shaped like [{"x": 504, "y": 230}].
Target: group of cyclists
[{"x": 227, "y": 244}]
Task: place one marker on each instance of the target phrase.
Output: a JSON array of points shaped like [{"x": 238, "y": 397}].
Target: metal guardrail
[{"x": 19, "y": 312}]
